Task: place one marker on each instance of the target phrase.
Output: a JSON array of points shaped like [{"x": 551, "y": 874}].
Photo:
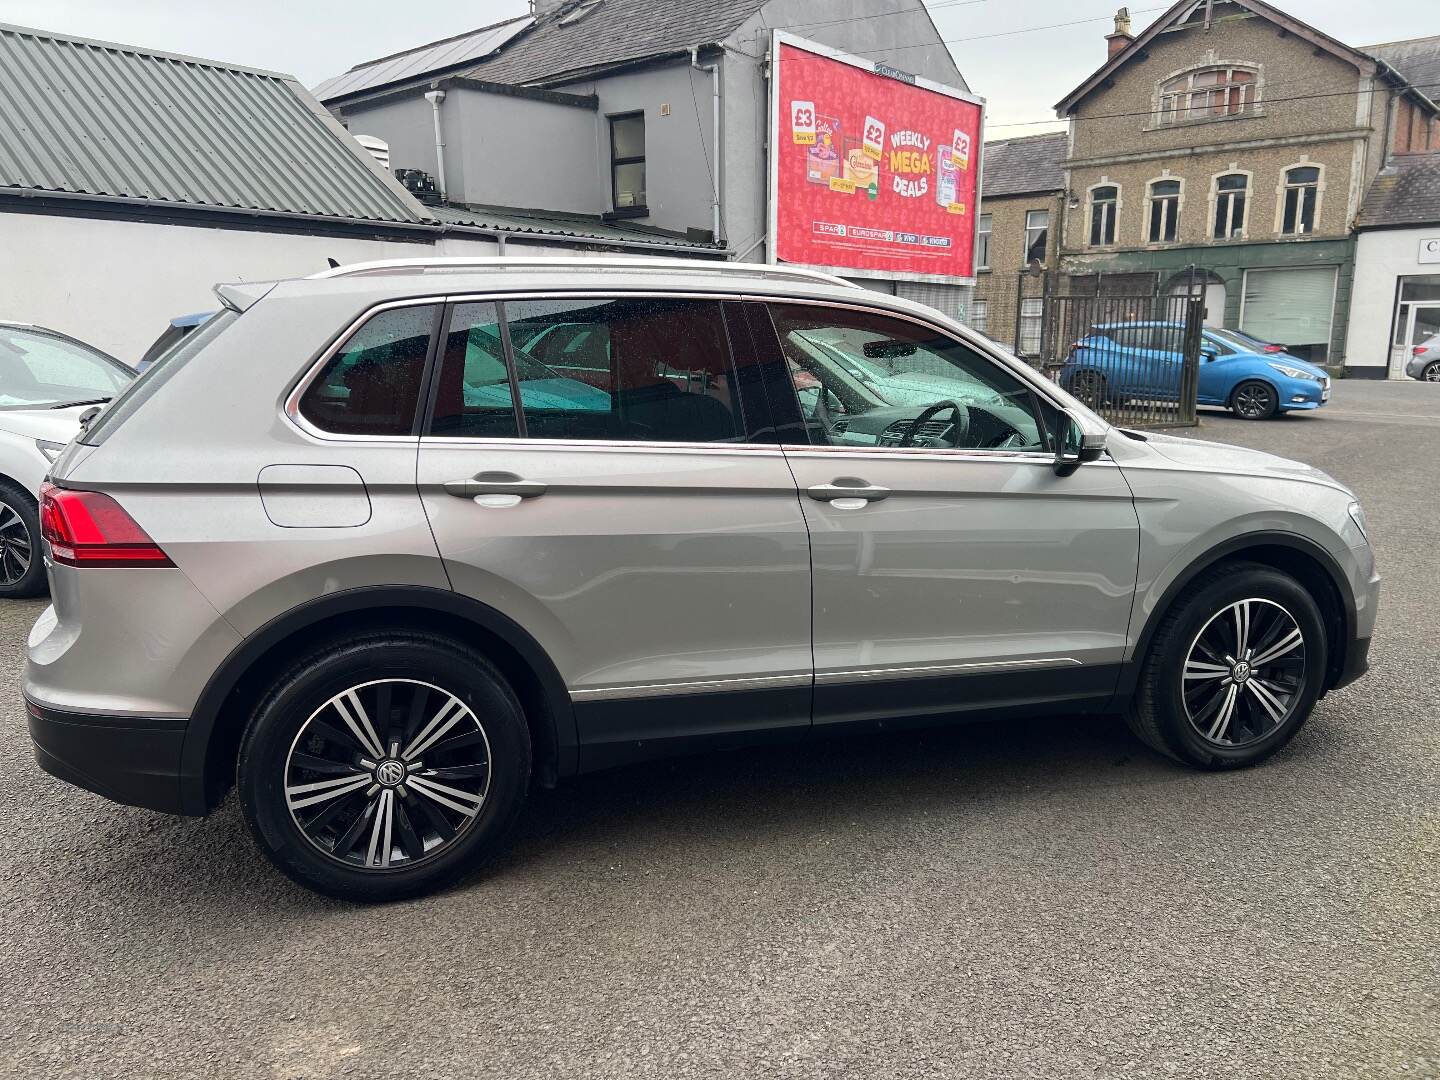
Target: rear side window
[
  {"x": 633, "y": 369},
  {"x": 371, "y": 386}
]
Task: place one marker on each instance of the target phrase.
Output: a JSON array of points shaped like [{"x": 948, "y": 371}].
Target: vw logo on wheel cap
[{"x": 389, "y": 773}]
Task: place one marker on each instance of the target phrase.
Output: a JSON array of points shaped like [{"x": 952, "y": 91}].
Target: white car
[{"x": 48, "y": 381}]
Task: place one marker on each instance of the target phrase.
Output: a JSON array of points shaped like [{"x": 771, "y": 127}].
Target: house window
[
  {"x": 627, "y": 164},
  {"x": 1103, "y": 202},
  {"x": 980, "y": 316},
  {"x": 982, "y": 243},
  {"x": 1032, "y": 318},
  {"x": 1164, "y": 210},
  {"x": 1037, "y": 229},
  {"x": 1302, "y": 189},
  {"x": 1207, "y": 94},
  {"x": 1230, "y": 191}
]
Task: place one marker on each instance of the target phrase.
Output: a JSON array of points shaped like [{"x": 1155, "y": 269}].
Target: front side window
[
  {"x": 1103, "y": 203},
  {"x": 1037, "y": 229},
  {"x": 371, "y": 386},
  {"x": 40, "y": 370},
  {"x": 629, "y": 370},
  {"x": 1230, "y": 193},
  {"x": 1302, "y": 190},
  {"x": 982, "y": 245},
  {"x": 865, "y": 379},
  {"x": 627, "y": 163},
  {"x": 1164, "y": 210},
  {"x": 1208, "y": 94}
]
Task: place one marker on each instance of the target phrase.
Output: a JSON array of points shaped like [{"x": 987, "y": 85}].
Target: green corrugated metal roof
[
  {"x": 92, "y": 118},
  {"x": 555, "y": 223}
]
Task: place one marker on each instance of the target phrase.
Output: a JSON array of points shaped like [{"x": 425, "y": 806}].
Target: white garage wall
[
  {"x": 1381, "y": 256},
  {"x": 116, "y": 284}
]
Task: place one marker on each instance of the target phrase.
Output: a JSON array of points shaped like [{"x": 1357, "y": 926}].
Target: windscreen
[{"x": 40, "y": 371}]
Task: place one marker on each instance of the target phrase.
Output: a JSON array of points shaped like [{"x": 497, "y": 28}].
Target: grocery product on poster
[{"x": 872, "y": 171}]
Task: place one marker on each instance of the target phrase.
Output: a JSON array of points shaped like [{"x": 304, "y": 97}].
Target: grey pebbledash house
[{"x": 632, "y": 113}]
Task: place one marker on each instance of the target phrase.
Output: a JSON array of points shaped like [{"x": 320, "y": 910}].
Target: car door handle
[
  {"x": 494, "y": 483},
  {"x": 847, "y": 489}
]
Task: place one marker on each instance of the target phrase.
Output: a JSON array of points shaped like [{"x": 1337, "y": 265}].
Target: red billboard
[{"x": 873, "y": 172}]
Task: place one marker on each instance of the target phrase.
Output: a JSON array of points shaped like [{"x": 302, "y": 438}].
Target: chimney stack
[{"x": 1122, "y": 37}]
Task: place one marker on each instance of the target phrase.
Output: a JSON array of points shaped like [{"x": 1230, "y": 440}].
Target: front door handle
[
  {"x": 847, "y": 488},
  {"x": 494, "y": 483}
]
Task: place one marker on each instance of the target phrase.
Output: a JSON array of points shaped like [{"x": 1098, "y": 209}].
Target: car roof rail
[{"x": 453, "y": 263}]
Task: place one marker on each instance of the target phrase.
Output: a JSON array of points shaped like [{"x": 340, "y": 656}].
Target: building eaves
[
  {"x": 582, "y": 227},
  {"x": 1414, "y": 65},
  {"x": 93, "y": 120},
  {"x": 1405, "y": 193}
]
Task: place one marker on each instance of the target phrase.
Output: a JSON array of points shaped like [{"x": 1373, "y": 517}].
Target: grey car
[
  {"x": 1424, "y": 362},
  {"x": 385, "y": 587}
]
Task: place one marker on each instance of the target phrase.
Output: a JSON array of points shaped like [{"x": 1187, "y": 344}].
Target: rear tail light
[
  {"x": 1420, "y": 350},
  {"x": 88, "y": 528},
  {"x": 1274, "y": 348}
]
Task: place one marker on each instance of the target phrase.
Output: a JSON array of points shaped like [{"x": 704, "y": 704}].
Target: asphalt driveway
[{"x": 999, "y": 900}]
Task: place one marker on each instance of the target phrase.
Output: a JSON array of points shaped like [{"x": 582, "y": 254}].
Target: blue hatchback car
[{"x": 1143, "y": 360}]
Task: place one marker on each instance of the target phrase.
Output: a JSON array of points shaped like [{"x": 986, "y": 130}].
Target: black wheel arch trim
[
  {"x": 1336, "y": 664},
  {"x": 200, "y": 795}
]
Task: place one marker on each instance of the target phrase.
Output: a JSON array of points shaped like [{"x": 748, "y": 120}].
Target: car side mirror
[
  {"x": 1073, "y": 445},
  {"x": 1208, "y": 353}
]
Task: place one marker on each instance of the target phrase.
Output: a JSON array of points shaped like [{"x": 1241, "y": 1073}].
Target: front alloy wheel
[
  {"x": 1244, "y": 673},
  {"x": 1431, "y": 372},
  {"x": 1254, "y": 401},
  {"x": 22, "y": 571}
]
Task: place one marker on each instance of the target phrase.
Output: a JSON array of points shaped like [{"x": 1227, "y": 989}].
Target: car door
[
  {"x": 953, "y": 569},
  {"x": 641, "y": 531},
  {"x": 1217, "y": 371}
]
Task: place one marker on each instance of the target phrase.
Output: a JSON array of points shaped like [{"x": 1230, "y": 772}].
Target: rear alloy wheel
[
  {"x": 1234, "y": 670},
  {"x": 1431, "y": 372},
  {"x": 384, "y": 767},
  {"x": 1254, "y": 401},
  {"x": 22, "y": 571},
  {"x": 1089, "y": 387}
]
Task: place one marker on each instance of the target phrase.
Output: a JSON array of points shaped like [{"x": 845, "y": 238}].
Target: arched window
[
  {"x": 1164, "y": 210},
  {"x": 1103, "y": 203},
  {"x": 1207, "y": 94},
  {"x": 1230, "y": 192},
  {"x": 1302, "y": 192}
]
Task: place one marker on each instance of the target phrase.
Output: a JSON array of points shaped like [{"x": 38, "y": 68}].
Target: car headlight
[
  {"x": 51, "y": 450},
  {"x": 1357, "y": 515},
  {"x": 1295, "y": 372}
]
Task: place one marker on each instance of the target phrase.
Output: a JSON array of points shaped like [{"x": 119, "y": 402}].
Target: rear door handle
[
  {"x": 847, "y": 489},
  {"x": 494, "y": 483}
]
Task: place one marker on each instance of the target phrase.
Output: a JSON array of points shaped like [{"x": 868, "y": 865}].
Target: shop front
[{"x": 1396, "y": 304}]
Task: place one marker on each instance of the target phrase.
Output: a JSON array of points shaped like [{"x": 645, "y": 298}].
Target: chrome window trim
[{"x": 1041, "y": 386}]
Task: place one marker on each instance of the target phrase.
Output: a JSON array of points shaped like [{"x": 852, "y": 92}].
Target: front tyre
[
  {"x": 384, "y": 767},
  {"x": 22, "y": 570},
  {"x": 1431, "y": 372},
  {"x": 1235, "y": 669},
  {"x": 1254, "y": 400}
]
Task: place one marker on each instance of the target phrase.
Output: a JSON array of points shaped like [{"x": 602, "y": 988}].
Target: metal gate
[{"x": 1133, "y": 359}]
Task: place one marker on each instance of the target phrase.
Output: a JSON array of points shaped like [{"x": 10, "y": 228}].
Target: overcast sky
[{"x": 1021, "y": 74}]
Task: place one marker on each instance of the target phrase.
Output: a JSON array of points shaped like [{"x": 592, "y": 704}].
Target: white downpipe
[
  {"x": 713, "y": 70},
  {"x": 435, "y": 97}
]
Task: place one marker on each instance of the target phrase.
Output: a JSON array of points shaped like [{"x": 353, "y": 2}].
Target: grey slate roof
[
  {"x": 612, "y": 32},
  {"x": 88, "y": 118},
  {"x": 555, "y": 223},
  {"x": 1417, "y": 60},
  {"x": 1024, "y": 166},
  {"x": 1407, "y": 192},
  {"x": 449, "y": 53}
]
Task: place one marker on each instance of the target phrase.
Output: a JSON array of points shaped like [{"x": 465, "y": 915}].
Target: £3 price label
[{"x": 802, "y": 122}]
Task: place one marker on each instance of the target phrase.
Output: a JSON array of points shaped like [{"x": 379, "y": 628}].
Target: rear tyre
[
  {"x": 1431, "y": 372},
  {"x": 1254, "y": 400},
  {"x": 22, "y": 570},
  {"x": 384, "y": 767},
  {"x": 1089, "y": 387},
  {"x": 1234, "y": 670}
]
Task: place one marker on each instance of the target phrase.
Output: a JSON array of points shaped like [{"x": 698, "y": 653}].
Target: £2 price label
[
  {"x": 802, "y": 122},
  {"x": 874, "y": 141}
]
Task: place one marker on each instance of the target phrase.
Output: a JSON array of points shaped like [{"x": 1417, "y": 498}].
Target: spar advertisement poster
[{"x": 873, "y": 172}]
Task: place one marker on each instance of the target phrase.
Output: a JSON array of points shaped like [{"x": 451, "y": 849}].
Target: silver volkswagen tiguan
[{"x": 385, "y": 547}]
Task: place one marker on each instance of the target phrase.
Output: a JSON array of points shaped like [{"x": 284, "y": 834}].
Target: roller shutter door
[{"x": 1290, "y": 306}]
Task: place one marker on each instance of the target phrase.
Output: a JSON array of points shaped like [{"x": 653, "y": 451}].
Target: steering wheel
[{"x": 960, "y": 427}]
